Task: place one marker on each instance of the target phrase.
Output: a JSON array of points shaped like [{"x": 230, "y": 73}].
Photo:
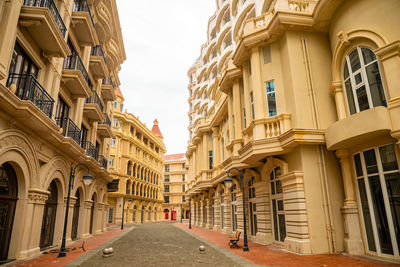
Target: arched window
[{"x": 362, "y": 81}]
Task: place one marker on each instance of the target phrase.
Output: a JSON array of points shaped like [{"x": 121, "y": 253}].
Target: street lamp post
[
  {"x": 190, "y": 214},
  {"x": 87, "y": 180},
  {"x": 228, "y": 183}
]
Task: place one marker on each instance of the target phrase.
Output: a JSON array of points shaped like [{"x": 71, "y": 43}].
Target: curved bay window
[
  {"x": 362, "y": 81},
  {"x": 378, "y": 179},
  {"x": 278, "y": 212}
]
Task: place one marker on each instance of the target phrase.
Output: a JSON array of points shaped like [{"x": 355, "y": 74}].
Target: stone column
[
  {"x": 70, "y": 217},
  {"x": 217, "y": 214},
  {"x": 216, "y": 146},
  {"x": 352, "y": 241},
  {"x": 263, "y": 204},
  {"x": 258, "y": 94},
  {"x": 237, "y": 113},
  {"x": 99, "y": 224},
  {"x": 297, "y": 233},
  {"x": 88, "y": 205},
  {"x": 337, "y": 91},
  {"x": 227, "y": 213},
  {"x": 118, "y": 210},
  {"x": 209, "y": 214},
  {"x": 202, "y": 213},
  {"x": 33, "y": 222}
]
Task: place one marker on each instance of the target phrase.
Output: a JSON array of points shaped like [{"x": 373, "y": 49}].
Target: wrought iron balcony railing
[
  {"x": 74, "y": 62},
  {"x": 91, "y": 150},
  {"x": 95, "y": 99},
  {"x": 28, "y": 88},
  {"x": 108, "y": 81},
  {"x": 103, "y": 161},
  {"x": 106, "y": 121},
  {"x": 53, "y": 10},
  {"x": 82, "y": 6},
  {"x": 98, "y": 51},
  {"x": 70, "y": 129}
]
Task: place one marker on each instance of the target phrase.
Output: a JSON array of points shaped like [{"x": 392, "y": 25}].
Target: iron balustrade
[
  {"x": 70, "y": 129},
  {"x": 91, "y": 150},
  {"x": 108, "y": 81},
  {"x": 82, "y": 6},
  {"x": 95, "y": 99},
  {"x": 53, "y": 10},
  {"x": 74, "y": 62},
  {"x": 103, "y": 161},
  {"x": 97, "y": 51},
  {"x": 107, "y": 120},
  {"x": 28, "y": 88}
]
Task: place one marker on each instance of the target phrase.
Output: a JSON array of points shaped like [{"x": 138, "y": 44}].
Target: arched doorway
[
  {"x": 75, "y": 217},
  {"x": 142, "y": 215},
  {"x": 92, "y": 214},
  {"x": 49, "y": 217},
  {"x": 8, "y": 199},
  {"x": 134, "y": 214},
  {"x": 166, "y": 214}
]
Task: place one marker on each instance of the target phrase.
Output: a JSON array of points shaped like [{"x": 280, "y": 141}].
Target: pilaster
[{"x": 263, "y": 204}]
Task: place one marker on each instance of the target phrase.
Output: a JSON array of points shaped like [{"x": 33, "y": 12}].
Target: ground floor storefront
[{"x": 175, "y": 212}]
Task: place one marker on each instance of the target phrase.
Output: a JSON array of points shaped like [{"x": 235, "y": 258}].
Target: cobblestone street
[{"x": 159, "y": 244}]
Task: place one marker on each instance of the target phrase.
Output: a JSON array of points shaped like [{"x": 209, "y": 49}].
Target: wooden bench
[{"x": 233, "y": 241}]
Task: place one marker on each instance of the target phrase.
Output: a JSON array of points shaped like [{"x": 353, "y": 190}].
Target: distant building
[
  {"x": 175, "y": 176},
  {"x": 136, "y": 166}
]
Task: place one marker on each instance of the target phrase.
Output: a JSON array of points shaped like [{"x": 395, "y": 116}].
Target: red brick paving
[
  {"x": 91, "y": 243},
  {"x": 276, "y": 257}
]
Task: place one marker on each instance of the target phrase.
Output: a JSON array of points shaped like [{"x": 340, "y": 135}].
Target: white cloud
[{"x": 162, "y": 40}]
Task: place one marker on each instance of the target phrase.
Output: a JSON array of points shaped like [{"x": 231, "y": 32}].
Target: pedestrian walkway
[
  {"x": 91, "y": 243},
  {"x": 276, "y": 257}
]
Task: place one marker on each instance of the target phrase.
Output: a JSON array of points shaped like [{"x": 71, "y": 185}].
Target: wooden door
[{"x": 49, "y": 218}]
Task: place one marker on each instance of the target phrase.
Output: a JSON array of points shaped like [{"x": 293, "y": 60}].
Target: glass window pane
[
  {"x": 393, "y": 188},
  {"x": 388, "y": 158},
  {"x": 375, "y": 85},
  {"x": 274, "y": 212},
  {"x": 358, "y": 78},
  {"x": 280, "y": 205},
  {"x": 282, "y": 227},
  {"x": 278, "y": 187},
  {"x": 370, "y": 161},
  {"x": 368, "y": 55},
  {"x": 366, "y": 215},
  {"x": 273, "y": 188},
  {"x": 271, "y": 104},
  {"x": 350, "y": 97},
  {"x": 357, "y": 162},
  {"x": 380, "y": 215},
  {"x": 362, "y": 98},
  {"x": 278, "y": 172},
  {"x": 346, "y": 71},
  {"x": 354, "y": 60}
]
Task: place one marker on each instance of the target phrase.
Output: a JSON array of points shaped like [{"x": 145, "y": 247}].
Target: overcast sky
[{"x": 162, "y": 40}]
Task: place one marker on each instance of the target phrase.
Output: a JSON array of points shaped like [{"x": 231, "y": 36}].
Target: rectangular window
[
  {"x": 110, "y": 215},
  {"x": 166, "y": 199},
  {"x": 210, "y": 159},
  {"x": 244, "y": 118},
  {"x": 271, "y": 101},
  {"x": 115, "y": 103},
  {"x": 167, "y": 168},
  {"x": 111, "y": 162},
  {"x": 166, "y": 178},
  {"x": 183, "y": 177},
  {"x": 113, "y": 142},
  {"x": 266, "y": 51},
  {"x": 252, "y": 105},
  {"x": 166, "y": 188},
  {"x": 115, "y": 123},
  {"x": 183, "y": 188}
]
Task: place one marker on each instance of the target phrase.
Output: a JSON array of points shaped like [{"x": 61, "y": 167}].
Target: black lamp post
[
  {"x": 228, "y": 183},
  {"x": 87, "y": 180},
  {"x": 190, "y": 213}
]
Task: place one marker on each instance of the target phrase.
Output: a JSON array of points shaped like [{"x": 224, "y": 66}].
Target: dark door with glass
[
  {"x": 75, "y": 217},
  {"x": 62, "y": 112},
  {"x": 91, "y": 217},
  {"x": 49, "y": 217},
  {"x": 8, "y": 201}
]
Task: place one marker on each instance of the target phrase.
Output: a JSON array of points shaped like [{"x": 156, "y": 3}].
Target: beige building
[
  {"x": 304, "y": 96},
  {"x": 175, "y": 205},
  {"x": 135, "y": 164},
  {"x": 59, "y": 62}
]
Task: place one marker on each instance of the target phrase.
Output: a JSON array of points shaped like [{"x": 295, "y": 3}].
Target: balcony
[
  {"x": 103, "y": 162},
  {"x": 104, "y": 127},
  {"x": 107, "y": 89},
  {"x": 91, "y": 150},
  {"x": 75, "y": 77},
  {"x": 93, "y": 108},
  {"x": 44, "y": 23},
  {"x": 69, "y": 129},
  {"x": 98, "y": 63},
  {"x": 82, "y": 23},
  {"x": 28, "y": 88}
]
